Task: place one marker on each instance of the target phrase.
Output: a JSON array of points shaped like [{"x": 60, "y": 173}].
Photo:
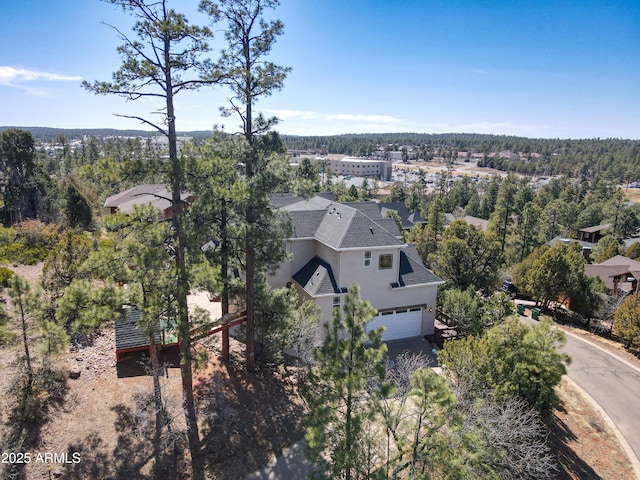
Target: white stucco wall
[
  {"x": 375, "y": 284},
  {"x": 302, "y": 251}
]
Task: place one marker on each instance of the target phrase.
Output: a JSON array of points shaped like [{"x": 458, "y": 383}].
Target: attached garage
[{"x": 399, "y": 323}]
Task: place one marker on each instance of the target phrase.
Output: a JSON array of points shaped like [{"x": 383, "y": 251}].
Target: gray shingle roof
[
  {"x": 390, "y": 225},
  {"x": 305, "y": 223},
  {"x": 317, "y": 278},
  {"x": 370, "y": 209},
  {"x": 346, "y": 227},
  {"x": 337, "y": 225},
  {"x": 129, "y": 335},
  {"x": 412, "y": 271},
  {"x": 408, "y": 218}
]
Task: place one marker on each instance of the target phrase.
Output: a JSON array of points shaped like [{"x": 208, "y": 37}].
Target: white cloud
[
  {"x": 332, "y": 117},
  {"x": 23, "y": 78}
]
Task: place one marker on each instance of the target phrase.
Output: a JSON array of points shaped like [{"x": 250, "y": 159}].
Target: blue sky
[{"x": 543, "y": 68}]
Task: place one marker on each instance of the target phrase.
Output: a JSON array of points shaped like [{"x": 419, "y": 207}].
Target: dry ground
[
  {"x": 247, "y": 419},
  {"x": 585, "y": 445}
]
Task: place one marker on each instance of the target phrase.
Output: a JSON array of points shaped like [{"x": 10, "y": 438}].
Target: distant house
[
  {"x": 593, "y": 234},
  {"x": 619, "y": 273},
  {"x": 586, "y": 247},
  {"x": 479, "y": 223},
  {"x": 148, "y": 194},
  {"x": 335, "y": 246}
]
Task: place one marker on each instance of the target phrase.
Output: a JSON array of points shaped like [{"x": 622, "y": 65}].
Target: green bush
[
  {"x": 24, "y": 253},
  {"x": 7, "y": 235},
  {"x": 5, "y": 276}
]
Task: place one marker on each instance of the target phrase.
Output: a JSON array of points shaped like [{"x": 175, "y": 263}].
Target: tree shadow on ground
[
  {"x": 248, "y": 417},
  {"x": 30, "y": 412},
  {"x": 570, "y": 465},
  {"x": 131, "y": 459},
  {"x": 133, "y": 364}
]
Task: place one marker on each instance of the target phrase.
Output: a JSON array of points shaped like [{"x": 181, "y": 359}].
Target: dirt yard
[{"x": 247, "y": 419}]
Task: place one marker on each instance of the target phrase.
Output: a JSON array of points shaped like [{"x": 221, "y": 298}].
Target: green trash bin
[
  {"x": 521, "y": 308},
  {"x": 535, "y": 313}
]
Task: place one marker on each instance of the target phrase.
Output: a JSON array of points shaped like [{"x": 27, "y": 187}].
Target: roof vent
[{"x": 371, "y": 230}]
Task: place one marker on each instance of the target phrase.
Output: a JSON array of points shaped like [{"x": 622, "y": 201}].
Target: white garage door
[{"x": 399, "y": 324}]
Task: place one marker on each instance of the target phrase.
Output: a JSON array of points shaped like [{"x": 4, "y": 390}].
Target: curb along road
[{"x": 611, "y": 384}]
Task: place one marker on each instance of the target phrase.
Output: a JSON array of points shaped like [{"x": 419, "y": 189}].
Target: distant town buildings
[{"x": 356, "y": 166}]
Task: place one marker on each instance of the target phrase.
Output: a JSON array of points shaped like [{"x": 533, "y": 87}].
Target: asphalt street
[{"x": 612, "y": 383}]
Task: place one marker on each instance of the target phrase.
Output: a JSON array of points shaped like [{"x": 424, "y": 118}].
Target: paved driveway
[{"x": 413, "y": 345}]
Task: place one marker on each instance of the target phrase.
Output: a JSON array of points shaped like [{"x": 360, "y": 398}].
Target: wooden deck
[
  {"x": 131, "y": 337},
  {"x": 444, "y": 328}
]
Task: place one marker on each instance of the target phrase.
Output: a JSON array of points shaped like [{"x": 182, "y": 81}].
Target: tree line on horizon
[{"x": 614, "y": 159}]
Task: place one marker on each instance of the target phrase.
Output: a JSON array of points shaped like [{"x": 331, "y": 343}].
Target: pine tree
[
  {"x": 162, "y": 62},
  {"x": 338, "y": 402},
  {"x": 244, "y": 69}
]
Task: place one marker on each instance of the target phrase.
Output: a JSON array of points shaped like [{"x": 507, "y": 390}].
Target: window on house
[
  {"x": 336, "y": 302},
  {"x": 367, "y": 259},
  {"x": 385, "y": 262}
]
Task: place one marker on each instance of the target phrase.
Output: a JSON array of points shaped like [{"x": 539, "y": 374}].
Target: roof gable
[
  {"x": 346, "y": 227},
  {"x": 316, "y": 278}
]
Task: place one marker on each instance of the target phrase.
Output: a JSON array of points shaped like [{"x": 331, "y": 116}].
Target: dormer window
[{"x": 367, "y": 259}]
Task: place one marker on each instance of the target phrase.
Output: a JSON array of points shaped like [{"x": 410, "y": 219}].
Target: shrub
[
  {"x": 5, "y": 276},
  {"x": 35, "y": 232}
]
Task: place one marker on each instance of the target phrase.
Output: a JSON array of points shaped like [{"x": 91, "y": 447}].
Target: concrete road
[{"x": 613, "y": 383}]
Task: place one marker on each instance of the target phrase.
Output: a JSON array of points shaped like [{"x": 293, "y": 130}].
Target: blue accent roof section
[{"x": 316, "y": 278}]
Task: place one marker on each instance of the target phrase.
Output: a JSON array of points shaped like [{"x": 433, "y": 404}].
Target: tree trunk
[
  {"x": 225, "y": 278},
  {"x": 159, "y": 407},
  {"x": 250, "y": 221},
  {"x": 182, "y": 287},
  {"x": 27, "y": 355}
]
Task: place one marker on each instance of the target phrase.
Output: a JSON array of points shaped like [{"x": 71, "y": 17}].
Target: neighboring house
[
  {"x": 408, "y": 218},
  {"x": 335, "y": 246},
  {"x": 479, "y": 223},
  {"x": 620, "y": 274},
  {"x": 593, "y": 234},
  {"x": 587, "y": 247},
  {"x": 148, "y": 194}
]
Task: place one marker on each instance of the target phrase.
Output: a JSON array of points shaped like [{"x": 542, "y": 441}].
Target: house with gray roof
[{"x": 334, "y": 246}]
